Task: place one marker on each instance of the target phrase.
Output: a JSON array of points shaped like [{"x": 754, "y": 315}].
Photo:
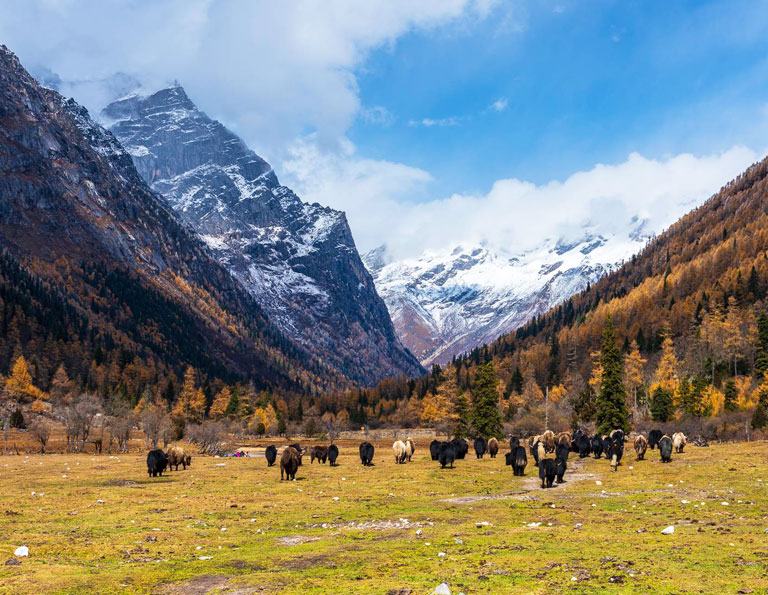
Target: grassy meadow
[{"x": 98, "y": 524}]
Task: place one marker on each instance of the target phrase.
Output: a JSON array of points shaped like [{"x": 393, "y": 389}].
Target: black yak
[
  {"x": 537, "y": 448},
  {"x": 493, "y": 447},
  {"x": 366, "y": 454},
  {"x": 514, "y": 442},
  {"x": 617, "y": 436},
  {"x": 606, "y": 446},
  {"x": 318, "y": 452},
  {"x": 582, "y": 446},
  {"x": 434, "y": 449},
  {"x": 653, "y": 438},
  {"x": 270, "y": 453},
  {"x": 561, "y": 461},
  {"x": 481, "y": 447},
  {"x": 665, "y": 448},
  {"x": 462, "y": 447},
  {"x": 641, "y": 445},
  {"x": 157, "y": 461},
  {"x": 547, "y": 472},
  {"x": 615, "y": 452},
  {"x": 597, "y": 446},
  {"x": 575, "y": 441},
  {"x": 447, "y": 454},
  {"x": 289, "y": 463},
  {"x": 333, "y": 454},
  {"x": 519, "y": 461}
]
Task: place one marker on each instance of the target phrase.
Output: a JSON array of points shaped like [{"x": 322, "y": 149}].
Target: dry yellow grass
[{"x": 230, "y": 525}]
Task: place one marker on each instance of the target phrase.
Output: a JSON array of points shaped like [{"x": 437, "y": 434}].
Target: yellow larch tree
[
  {"x": 633, "y": 372},
  {"x": 220, "y": 403}
]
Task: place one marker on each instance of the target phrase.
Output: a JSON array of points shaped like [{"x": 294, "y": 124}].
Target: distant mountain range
[
  {"x": 298, "y": 260},
  {"x": 445, "y": 303}
]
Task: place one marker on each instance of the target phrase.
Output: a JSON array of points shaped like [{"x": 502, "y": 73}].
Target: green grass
[{"x": 293, "y": 537}]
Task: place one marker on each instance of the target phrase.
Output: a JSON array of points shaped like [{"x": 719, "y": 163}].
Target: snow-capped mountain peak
[{"x": 448, "y": 301}]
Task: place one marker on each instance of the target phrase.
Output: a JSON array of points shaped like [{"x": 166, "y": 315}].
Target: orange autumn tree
[
  {"x": 191, "y": 402},
  {"x": 220, "y": 403},
  {"x": 19, "y": 387}
]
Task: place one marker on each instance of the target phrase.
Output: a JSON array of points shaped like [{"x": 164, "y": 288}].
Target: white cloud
[
  {"x": 440, "y": 122},
  {"x": 270, "y": 70},
  {"x": 377, "y": 115},
  {"x": 514, "y": 213},
  {"x": 500, "y": 104}
]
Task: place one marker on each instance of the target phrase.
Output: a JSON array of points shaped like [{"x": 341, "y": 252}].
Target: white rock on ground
[
  {"x": 21, "y": 551},
  {"x": 669, "y": 530},
  {"x": 441, "y": 589}
]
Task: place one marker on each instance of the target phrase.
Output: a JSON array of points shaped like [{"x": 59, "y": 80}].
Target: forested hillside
[
  {"x": 99, "y": 279},
  {"x": 689, "y": 315}
]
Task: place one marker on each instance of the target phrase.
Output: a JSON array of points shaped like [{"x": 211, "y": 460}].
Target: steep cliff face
[
  {"x": 76, "y": 214},
  {"x": 298, "y": 260}
]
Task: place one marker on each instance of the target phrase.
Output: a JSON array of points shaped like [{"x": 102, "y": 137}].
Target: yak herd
[
  {"x": 158, "y": 461},
  {"x": 550, "y": 452}
]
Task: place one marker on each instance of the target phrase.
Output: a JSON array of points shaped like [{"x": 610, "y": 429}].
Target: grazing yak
[
  {"x": 606, "y": 445},
  {"x": 270, "y": 453},
  {"x": 641, "y": 445},
  {"x": 298, "y": 449},
  {"x": 519, "y": 460},
  {"x": 575, "y": 440},
  {"x": 366, "y": 454},
  {"x": 597, "y": 446},
  {"x": 318, "y": 452},
  {"x": 400, "y": 450},
  {"x": 157, "y": 461},
  {"x": 653, "y": 438},
  {"x": 333, "y": 454},
  {"x": 561, "y": 460},
  {"x": 447, "y": 454},
  {"x": 434, "y": 449},
  {"x": 618, "y": 436},
  {"x": 289, "y": 463},
  {"x": 537, "y": 448},
  {"x": 665, "y": 448},
  {"x": 481, "y": 447},
  {"x": 679, "y": 441},
  {"x": 177, "y": 456},
  {"x": 493, "y": 447},
  {"x": 462, "y": 447},
  {"x": 615, "y": 452},
  {"x": 410, "y": 448},
  {"x": 548, "y": 439},
  {"x": 582, "y": 446},
  {"x": 547, "y": 472}
]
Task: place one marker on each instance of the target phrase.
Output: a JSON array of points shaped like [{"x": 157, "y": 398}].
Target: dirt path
[{"x": 531, "y": 484}]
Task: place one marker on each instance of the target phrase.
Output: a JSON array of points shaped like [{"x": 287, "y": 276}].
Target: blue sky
[
  {"x": 439, "y": 122},
  {"x": 583, "y": 83}
]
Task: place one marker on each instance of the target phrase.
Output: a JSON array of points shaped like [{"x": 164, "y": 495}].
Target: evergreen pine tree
[
  {"x": 662, "y": 405},
  {"x": 761, "y": 354},
  {"x": 611, "y": 403},
  {"x": 463, "y": 421},
  {"x": 486, "y": 419},
  {"x": 731, "y": 396}
]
